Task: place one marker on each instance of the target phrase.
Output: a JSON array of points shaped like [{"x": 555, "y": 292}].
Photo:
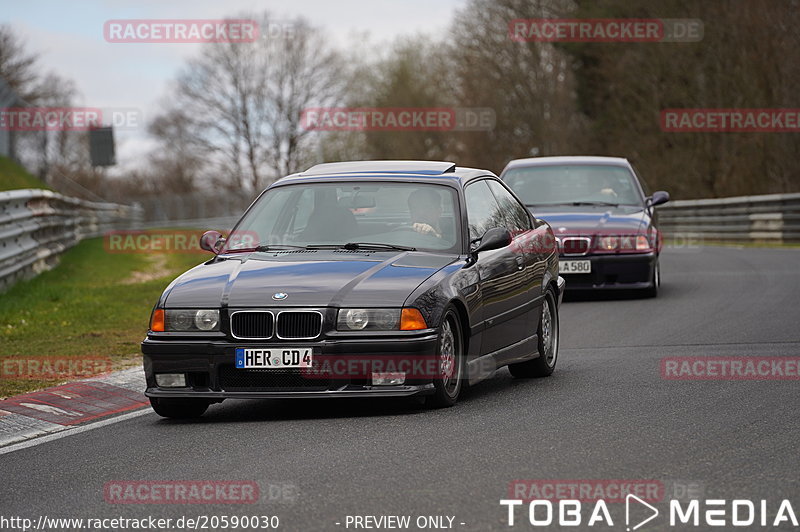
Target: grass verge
[
  {"x": 13, "y": 176},
  {"x": 93, "y": 304}
]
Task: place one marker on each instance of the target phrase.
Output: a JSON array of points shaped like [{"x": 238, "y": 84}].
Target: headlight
[
  {"x": 616, "y": 243},
  {"x": 370, "y": 319},
  {"x": 191, "y": 320},
  {"x": 207, "y": 320}
]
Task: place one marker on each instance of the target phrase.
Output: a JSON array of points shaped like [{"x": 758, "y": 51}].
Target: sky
[{"x": 68, "y": 36}]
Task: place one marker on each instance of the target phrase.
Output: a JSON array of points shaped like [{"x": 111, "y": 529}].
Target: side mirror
[
  {"x": 658, "y": 198},
  {"x": 212, "y": 241},
  {"x": 495, "y": 238}
]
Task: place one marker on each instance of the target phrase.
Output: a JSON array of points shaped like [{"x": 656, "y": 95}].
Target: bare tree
[
  {"x": 749, "y": 57},
  {"x": 243, "y": 101},
  {"x": 59, "y": 158},
  {"x": 306, "y": 72},
  {"x": 410, "y": 74},
  {"x": 178, "y": 163},
  {"x": 17, "y": 66},
  {"x": 57, "y": 151},
  {"x": 529, "y": 86}
]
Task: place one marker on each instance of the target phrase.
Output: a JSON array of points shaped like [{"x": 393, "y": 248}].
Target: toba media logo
[{"x": 695, "y": 513}]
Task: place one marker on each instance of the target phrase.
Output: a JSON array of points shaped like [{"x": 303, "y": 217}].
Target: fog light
[
  {"x": 608, "y": 243},
  {"x": 171, "y": 380},
  {"x": 388, "y": 379}
]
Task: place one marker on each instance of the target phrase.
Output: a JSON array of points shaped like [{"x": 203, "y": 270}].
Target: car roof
[
  {"x": 444, "y": 172},
  {"x": 568, "y": 159}
]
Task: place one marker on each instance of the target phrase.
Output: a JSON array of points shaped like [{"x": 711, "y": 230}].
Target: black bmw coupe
[{"x": 374, "y": 279}]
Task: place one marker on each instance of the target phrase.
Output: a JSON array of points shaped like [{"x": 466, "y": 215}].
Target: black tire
[
  {"x": 179, "y": 408},
  {"x": 652, "y": 291},
  {"x": 451, "y": 340},
  {"x": 545, "y": 363}
]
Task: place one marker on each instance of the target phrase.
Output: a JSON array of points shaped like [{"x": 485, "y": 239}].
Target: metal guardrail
[
  {"x": 767, "y": 218},
  {"x": 36, "y": 226},
  {"x": 220, "y": 223},
  {"x": 195, "y": 205}
]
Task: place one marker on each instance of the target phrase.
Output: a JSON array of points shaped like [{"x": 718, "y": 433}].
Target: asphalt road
[{"x": 606, "y": 413}]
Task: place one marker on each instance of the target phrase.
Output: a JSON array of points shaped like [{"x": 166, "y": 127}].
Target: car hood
[
  {"x": 593, "y": 219},
  {"x": 308, "y": 278}
]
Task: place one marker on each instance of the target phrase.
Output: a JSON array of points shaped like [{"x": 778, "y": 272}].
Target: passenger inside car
[{"x": 329, "y": 221}]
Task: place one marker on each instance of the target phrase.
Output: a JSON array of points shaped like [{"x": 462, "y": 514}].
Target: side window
[
  {"x": 517, "y": 219},
  {"x": 483, "y": 211}
]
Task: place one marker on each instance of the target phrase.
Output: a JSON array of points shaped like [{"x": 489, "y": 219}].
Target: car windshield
[
  {"x": 574, "y": 184},
  {"x": 377, "y": 215}
]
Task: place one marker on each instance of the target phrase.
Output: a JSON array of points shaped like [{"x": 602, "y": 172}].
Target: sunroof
[{"x": 383, "y": 167}]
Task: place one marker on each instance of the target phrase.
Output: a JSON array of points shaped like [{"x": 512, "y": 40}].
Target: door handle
[{"x": 520, "y": 263}]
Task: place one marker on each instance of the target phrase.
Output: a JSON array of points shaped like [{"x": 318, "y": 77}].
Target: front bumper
[
  {"x": 210, "y": 372},
  {"x": 609, "y": 272},
  {"x": 348, "y": 391}
]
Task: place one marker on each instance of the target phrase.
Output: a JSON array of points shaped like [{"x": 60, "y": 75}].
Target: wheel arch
[
  {"x": 463, "y": 316},
  {"x": 554, "y": 285}
]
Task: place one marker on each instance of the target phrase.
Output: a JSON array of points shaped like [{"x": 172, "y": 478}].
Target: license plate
[
  {"x": 574, "y": 266},
  {"x": 273, "y": 358}
]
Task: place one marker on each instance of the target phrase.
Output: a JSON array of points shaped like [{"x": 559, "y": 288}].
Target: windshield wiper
[
  {"x": 371, "y": 246},
  {"x": 605, "y": 203},
  {"x": 349, "y": 246},
  {"x": 261, "y": 248}
]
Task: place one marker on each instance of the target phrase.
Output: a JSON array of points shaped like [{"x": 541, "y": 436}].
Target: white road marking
[
  {"x": 50, "y": 409},
  {"x": 74, "y": 430}
]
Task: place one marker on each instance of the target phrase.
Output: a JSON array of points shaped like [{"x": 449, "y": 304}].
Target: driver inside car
[
  {"x": 606, "y": 189},
  {"x": 426, "y": 212}
]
